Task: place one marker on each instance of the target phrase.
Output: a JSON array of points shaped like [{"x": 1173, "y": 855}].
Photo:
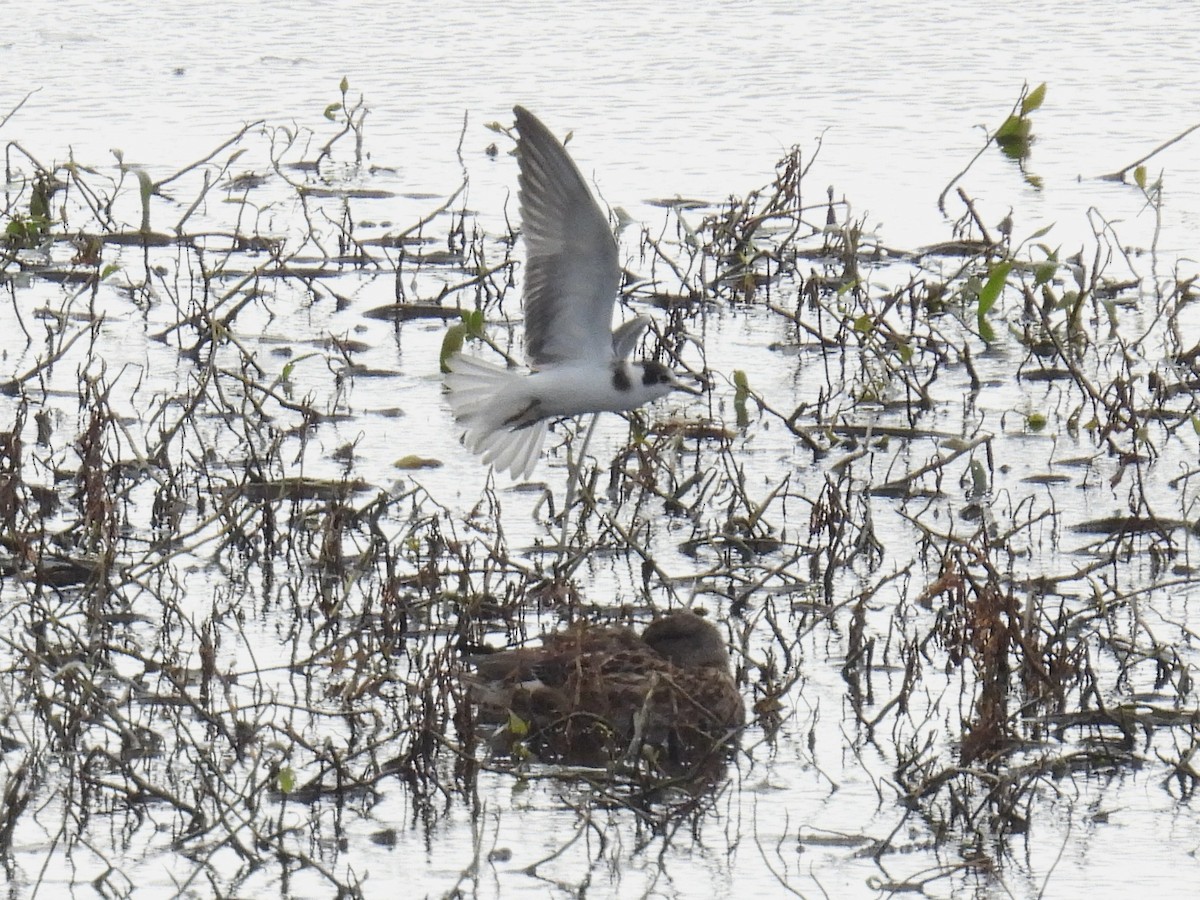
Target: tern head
[{"x": 658, "y": 380}]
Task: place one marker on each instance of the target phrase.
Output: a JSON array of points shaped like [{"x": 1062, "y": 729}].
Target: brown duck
[{"x": 594, "y": 694}]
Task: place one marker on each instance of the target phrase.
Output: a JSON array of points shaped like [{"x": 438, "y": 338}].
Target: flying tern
[{"x": 577, "y": 363}]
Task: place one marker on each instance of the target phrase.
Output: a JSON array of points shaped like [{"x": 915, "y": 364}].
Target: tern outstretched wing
[{"x": 571, "y": 271}]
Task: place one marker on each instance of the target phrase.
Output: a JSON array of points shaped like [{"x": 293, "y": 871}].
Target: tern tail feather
[{"x": 498, "y": 416}]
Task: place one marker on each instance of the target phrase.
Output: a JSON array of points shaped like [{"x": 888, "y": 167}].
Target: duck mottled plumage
[{"x": 592, "y": 694}]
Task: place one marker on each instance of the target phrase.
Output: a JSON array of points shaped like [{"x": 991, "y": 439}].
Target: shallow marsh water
[{"x": 258, "y": 660}]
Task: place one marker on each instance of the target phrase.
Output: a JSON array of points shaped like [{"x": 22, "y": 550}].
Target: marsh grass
[{"x": 219, "y": 652}]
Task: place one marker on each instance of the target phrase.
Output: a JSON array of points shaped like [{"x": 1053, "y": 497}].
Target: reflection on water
[
  {"x": 711, "y": 96},
  {"x": 932, "y": 627}
]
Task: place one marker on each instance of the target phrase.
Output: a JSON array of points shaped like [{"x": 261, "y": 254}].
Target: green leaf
[
  {"x": 1033, "y": 99},
  {"x": 863, "y": 324},
  {"x": 26, "y": 232},
  {"x": 474, "y": 322},
  {"x": 1139, "y": 177},
  {"x": 331, "y": 111},
  {"x": 1014, "y": 128},
  {"x": 979, "y": 478},
  {"x": 452, "y": 343},
  {"x": 517, "y": 726},
  {"x": 986, "y": 331},
  {"x": 1015, "y": 137},
  {"x": 412, "y": 461},
  {"x": 741, "y": 385},
  {"x": 39, "y": 202},
  {"x": 990, "y": 292},
  {"x": 1043, "y": 272},
  {"x": 345, "y": 85},
  {"x": 1036, "y": 421},
  {"x": 286, "y": 780},
  {"x": 847, "y": 286}
]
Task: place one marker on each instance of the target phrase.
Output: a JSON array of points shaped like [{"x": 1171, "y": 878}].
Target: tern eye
[{"x": 653, "y": 374}]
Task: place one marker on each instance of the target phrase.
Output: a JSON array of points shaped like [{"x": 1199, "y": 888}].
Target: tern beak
[{"x": 696, "y": 390}]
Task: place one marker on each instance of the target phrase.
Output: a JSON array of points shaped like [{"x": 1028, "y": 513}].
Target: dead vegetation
[{"x": 230, "y": 640}]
